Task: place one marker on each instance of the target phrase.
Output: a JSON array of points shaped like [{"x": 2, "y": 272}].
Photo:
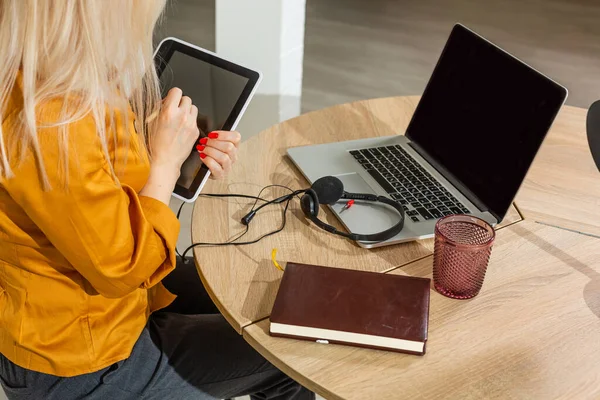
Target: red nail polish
[
  {"x": 200, "y": 147},
  {"x": 213, "y": 135},
  {"x": 203, "y": 140},
  {"x": 202, "y": 156}
]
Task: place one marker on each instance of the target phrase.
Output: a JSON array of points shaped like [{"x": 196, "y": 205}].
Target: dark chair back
[{"x": 593, "y": 131}]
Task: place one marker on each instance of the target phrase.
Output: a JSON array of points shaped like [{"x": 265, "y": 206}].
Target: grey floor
[
  {"x": 359, "y": 49},
  {"x": 356, "y": 49}
]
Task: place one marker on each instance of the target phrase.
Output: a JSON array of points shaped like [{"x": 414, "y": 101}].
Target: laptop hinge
[{"x": 453, "y": 180}]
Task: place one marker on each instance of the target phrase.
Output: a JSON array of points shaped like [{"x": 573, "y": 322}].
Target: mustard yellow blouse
[{"x": 81, "y": 264}]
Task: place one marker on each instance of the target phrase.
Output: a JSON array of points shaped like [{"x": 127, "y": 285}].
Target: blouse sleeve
[{"x": 117, "y": 240}]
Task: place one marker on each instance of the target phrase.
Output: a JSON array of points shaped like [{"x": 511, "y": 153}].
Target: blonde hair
[{"x": 95, "y": 53}]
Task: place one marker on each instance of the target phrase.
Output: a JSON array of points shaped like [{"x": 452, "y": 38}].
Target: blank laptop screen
[{"x": 483, "y": 117}]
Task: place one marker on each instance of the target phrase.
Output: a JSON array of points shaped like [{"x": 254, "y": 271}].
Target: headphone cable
[{"x": 233, "y": 242}]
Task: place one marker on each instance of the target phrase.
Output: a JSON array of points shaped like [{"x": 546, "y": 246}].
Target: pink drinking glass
[{"x": 462, "y": 251}]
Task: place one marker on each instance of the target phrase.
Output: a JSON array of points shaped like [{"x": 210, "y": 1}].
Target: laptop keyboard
[{"x": 406, "y": 181}]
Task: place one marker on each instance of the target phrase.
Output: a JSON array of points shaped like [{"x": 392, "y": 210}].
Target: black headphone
[{"x": 330, "y": 190}]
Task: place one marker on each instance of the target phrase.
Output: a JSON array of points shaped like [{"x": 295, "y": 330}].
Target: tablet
[{"x": 219, "y": 88}]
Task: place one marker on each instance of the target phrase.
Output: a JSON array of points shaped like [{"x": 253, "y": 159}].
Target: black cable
[
  {"x": 180, "y": 208},
  {"x": 178, "y": 214},
  {"x": 283, "y": 223},
  {"x": 233, "y": 242},
  {"x": 254, "y": 211},
  {"x": 246, "y": 219},
  {"x": 266, "y": 202},
  {"x": 244, "y": 196},
  {"x": 256, "y": 198},
  {"x": 279, "y": 200}
]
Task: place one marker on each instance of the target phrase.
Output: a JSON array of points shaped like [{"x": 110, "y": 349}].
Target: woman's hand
[
  {"x": 170, "y": 144},
  {"x": 176, "y": 131},
  {"x": 218, "y": 151}
]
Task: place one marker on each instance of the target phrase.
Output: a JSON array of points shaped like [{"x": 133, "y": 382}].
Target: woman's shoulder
[{"x": 68, "y": 133}]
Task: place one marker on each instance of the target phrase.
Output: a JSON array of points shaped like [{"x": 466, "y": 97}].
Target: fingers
[
  {"x": 173, "y": 98},
  {"x": 222, "y": 158},
  {"x": 224, "y": 147},
  {"x": 227, "y": 136},
  {"x": 192, "y": 120},
  {"x": 185, "y": 104},
  {"x": 219, "y": 151},
  {"x": 215, "y": 168},
  {"x": 193, "y": 116}
]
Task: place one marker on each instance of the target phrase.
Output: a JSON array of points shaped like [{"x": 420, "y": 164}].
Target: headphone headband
[{"x": 310, "y": 206}]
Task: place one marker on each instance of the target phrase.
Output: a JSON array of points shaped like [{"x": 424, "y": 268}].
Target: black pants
[{"x": 187, "y": 351}]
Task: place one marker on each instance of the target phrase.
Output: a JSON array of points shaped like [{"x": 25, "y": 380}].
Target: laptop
[{"x": 473, "y": 136}]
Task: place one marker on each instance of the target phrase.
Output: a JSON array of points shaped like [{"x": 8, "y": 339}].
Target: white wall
[{"x": 267, "y": 35}]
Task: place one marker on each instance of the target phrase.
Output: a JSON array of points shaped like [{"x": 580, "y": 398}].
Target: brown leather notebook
[{"x": 366, "y": 309}]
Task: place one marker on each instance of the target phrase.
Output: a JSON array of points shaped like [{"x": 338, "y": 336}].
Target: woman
[{"x": 86, "y": 235}]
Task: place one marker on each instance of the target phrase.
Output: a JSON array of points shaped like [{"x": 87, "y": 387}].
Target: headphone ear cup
[
  {"x": 328, "y": 189},
  {"x": 309, "y": 203}
]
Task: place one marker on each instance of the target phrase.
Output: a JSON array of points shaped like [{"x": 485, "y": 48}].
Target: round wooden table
[{"x": 532, "y": 332}]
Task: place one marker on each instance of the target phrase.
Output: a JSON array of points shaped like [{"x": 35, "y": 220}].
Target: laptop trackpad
[{"x": 365, "y": 216}]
